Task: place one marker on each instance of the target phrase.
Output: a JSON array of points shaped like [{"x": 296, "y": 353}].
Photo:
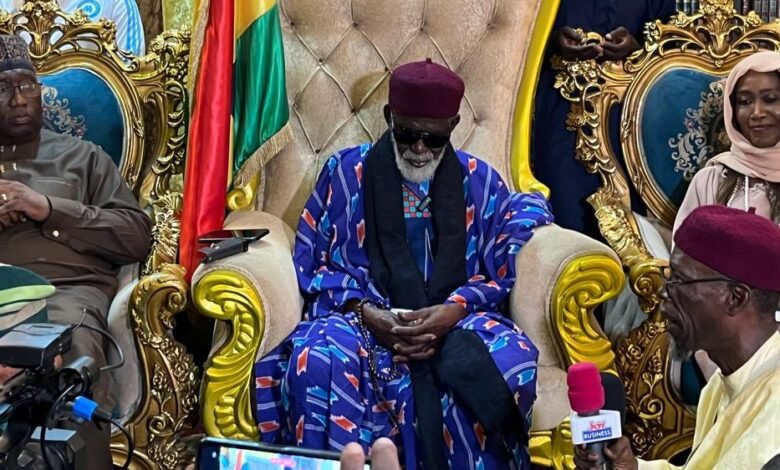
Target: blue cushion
[
  {"x": 78, "y": 102},
  {"x": 681, "y": 125}
]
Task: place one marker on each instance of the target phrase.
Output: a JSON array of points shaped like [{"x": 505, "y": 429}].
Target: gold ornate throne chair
[
  {"x": 134, "y": 107},
  {"x": 339, "y": 55},
  {"x": 672, "y": 122}
]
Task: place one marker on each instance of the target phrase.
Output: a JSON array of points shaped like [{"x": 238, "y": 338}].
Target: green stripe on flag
[{"x": 260, "y": 110}]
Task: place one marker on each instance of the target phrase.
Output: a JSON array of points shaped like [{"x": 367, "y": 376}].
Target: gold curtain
[
  {"x": 177, "y": 14},
  {"x": 160, "y": 15}
]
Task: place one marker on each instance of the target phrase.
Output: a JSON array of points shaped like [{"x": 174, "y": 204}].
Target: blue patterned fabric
[
  {"x": 681, "y": 128},
  {"x": 315, "y": 391},
  {"x": 419, "y": 226},
  {"x": 78, "y": 102}
]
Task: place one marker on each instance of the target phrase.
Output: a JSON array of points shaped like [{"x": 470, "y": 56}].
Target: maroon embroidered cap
[
  {"x": 425, "y": 90},
  {"x": 737, "y": 244}
]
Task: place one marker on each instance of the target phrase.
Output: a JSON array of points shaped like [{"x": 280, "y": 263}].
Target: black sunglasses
[{"x": 410, "y": 137}]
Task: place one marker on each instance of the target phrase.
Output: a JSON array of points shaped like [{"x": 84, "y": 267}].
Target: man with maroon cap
[
  {"x": 722, "y": 296},
  {"x": 405, "y": 255}
]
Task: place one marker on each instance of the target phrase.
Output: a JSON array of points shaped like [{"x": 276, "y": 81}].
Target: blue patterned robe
[{"x": 314, "y": 390}]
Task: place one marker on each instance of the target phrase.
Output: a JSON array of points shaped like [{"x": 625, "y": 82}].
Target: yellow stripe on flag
[{"x": 247, "y": 11}]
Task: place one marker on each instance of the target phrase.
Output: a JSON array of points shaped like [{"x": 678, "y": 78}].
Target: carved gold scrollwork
[
  {"x": 716, "y": 31},
  {"x": 593, "y": 90},
  {"x": 172, "y": 385},
  {"x": 647, "y": 280},
  {"x": 243, "y": 198},
  {"x": 229, "y": 297},
  {"x": 166, "y": 215},
  {"x": 585, "y": 283},
  {"x": 656, "y": 429},
  {"x": 161, "y": 80},
  {"x": 619, "y": 228}
]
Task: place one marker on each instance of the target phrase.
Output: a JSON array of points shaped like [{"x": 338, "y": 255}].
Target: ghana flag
[{"x": 239, "y": 114}]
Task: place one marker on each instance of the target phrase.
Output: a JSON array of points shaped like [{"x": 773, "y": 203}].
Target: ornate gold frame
[
  {"x": 522, "y": 125},
  {"x": 151, "y": 91},
  {"x": 711, "y": 41}
]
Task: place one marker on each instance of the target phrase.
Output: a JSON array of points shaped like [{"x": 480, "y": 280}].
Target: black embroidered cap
[{"x": 14, "y": 54}]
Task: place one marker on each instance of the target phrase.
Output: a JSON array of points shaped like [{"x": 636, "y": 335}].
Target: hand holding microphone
[
  {"x": 598, "y": 404},
  {"x": 619, "y": 457}
]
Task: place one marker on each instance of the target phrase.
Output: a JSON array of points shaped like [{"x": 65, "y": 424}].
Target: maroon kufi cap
[
  {"x": 735, "y": 243},
  {"x": 425, "y": 90}
]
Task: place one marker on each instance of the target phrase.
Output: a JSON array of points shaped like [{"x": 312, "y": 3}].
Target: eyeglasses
[
  {"x": 672, "y": 281},
  {"x": 28, "y": 89},
  {"x": 409, "y": 137}
]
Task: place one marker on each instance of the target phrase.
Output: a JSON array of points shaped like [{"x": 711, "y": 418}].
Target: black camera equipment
[{"x": 41, "y": 394}]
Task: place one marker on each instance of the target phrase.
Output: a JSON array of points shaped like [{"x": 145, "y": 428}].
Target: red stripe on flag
[{"x": 206, "y": 175}]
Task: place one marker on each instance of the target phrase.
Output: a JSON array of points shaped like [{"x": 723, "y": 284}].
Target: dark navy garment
[{"x": 553, "y": 146}]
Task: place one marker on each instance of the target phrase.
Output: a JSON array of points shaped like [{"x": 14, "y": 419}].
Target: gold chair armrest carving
[
  {"x": 567, "y": 275},
  {"x": 228, "y": 296},
  {"x": 585, "y": 283},
  {"x": 170, "y": 389},
  {"x": 240, "y": 292}
]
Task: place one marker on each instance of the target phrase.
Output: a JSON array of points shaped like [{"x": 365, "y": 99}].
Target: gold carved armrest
[
  {"x": 169, "y": 375},
  {"x": 254, "y": 296},
  {"x": 561, "y": 277}
]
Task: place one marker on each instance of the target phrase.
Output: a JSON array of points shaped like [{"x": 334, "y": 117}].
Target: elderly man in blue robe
[{"x": 405, "y": 255}]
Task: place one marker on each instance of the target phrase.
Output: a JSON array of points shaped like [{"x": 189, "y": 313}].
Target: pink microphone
[
  {"x": 591, "y": 424},
  {"x": 586, "y": 394}
]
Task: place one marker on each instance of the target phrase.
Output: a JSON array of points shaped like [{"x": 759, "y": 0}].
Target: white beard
[{"x": 412, "y": 173}]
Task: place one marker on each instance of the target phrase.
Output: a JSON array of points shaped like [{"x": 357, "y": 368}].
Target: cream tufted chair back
[{"x": 340, "y": 54}]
